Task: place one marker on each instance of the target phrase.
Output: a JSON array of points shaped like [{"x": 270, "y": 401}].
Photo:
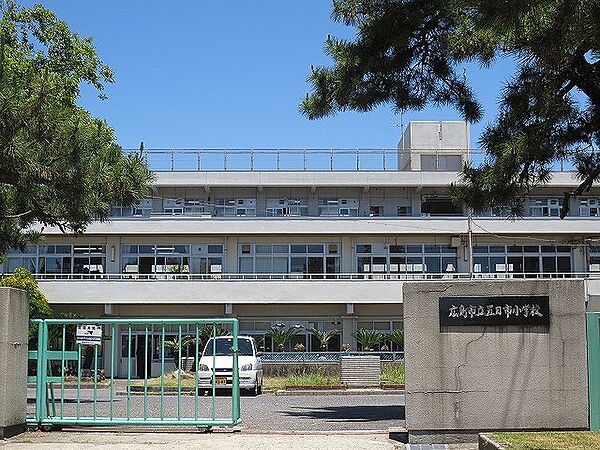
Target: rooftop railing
[
  {"x": 294, "y": 277},
  {"x": 301, "y": 159}
]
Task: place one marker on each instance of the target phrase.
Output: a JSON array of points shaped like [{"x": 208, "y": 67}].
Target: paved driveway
[{"x": 260, "y": 414}]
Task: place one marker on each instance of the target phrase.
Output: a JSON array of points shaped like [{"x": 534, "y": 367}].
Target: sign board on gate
[{"x": 89, "y": 334}]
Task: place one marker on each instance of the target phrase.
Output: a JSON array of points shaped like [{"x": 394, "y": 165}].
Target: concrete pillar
[
  {"x": 14, "y": 328},
  {"x": 231, "y": 255},
  {"x": 113, "y": 255},
  {"x": 347, "y": 263},
  {"x": 347, "y": 331}
]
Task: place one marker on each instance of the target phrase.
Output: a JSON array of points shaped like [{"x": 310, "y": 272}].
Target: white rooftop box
[{"x": 434, "y": 146}]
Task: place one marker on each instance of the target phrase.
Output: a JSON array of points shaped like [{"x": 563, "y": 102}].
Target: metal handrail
[
  {"x": 299, "y": 159},
  {"x": 327, "y": 277}
]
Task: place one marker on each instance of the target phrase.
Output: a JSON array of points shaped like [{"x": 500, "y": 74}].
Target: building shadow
[{"x": 356, "y": 414}]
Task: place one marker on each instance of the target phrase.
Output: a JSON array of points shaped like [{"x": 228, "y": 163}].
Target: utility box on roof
[{"x": 434, "y": 146}]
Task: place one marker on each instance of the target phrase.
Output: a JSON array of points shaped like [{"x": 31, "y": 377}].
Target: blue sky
[{"x": 192, "y": 74}]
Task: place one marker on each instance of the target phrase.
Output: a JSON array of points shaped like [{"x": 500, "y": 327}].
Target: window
[
  {"x": 545, "y": 207},
  {"x": 403, "y": 211},
  {"x": 59, "y": 259},
  {"x": 174, "y": 207},
  {"x": 589, "y": 207},
  {"x": 441, "y": 163},
  {"x": 522, "y": 259},
  {"x": 235, "y": 207},
  {"x": 405, "y": 259},
  {"x": 289, "y": 258},
  {"x": 172, "y": 258},
  {"x": 375, "y": 211},
  {"x": 143, "y": 208},
  {"x": 439, "y": 206},
  {"x": 194, "y": 206},
  {"x": 594, "y": 258},
  {"x": 343, "y": 207},
  {"x": 287, "y": 207}
]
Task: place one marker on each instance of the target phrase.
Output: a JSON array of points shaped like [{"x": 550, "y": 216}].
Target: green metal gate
[
  {"x": 65, "y": 396},
  {"x": 593, "y": 353}
]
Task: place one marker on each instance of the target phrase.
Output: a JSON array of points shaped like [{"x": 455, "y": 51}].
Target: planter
[{"x": 315, "y": 388}]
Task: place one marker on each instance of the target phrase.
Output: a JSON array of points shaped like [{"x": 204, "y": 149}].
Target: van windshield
[{"x": 223, "y": 347}]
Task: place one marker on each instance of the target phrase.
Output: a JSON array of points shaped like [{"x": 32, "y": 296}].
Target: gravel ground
[{"x": 259, "y": 414}]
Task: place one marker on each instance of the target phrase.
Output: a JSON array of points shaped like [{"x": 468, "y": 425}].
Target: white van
[{"x": 249, "y": 363}]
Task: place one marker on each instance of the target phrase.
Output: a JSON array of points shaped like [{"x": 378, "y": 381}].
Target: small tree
[
  {"x": 38, "y": 303},
  {"x": 323, "y": 337},
  {"x": 175, "y": 345},
  {"x": 397, "y": 337},
  {"x": 368, "y": 338},
  {"x": 281, "y": 337}
]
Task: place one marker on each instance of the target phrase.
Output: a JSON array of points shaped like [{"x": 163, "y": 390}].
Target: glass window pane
[
  {"x": 280, "y": 264},
  {"x": 363, "y": 248},
  {"x": 548, "y": 264},
  {"x": 333, "y": 264},
  {"x": 397, "y": 249},
  {"x": 215, "y": 248},
  {"x": 563, "y": 264},
  {"x": 262, "y": 264},
  {"x": 298, "y": 265},
  {"x": 432, "y": 264},
  {"x": 246, "y": 265},
  {"x": 432, "y": 248},
  {"x": 278, "y": 248},
  {"x": 315, "y": 248},
  {"x": 414, "y": 249},
  {"x": 298, "y": 248},
  {"x": 262, "y": 249}
]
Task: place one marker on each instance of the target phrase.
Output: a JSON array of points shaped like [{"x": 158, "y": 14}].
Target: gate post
[
  {"x": 14, "y": 332},
  {"x": 593, "y": 354}
]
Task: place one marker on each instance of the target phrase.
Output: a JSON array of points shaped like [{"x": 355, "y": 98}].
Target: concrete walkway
[
  {"x": 194, "y": 440},
  {"x": 175, "y": 439}
]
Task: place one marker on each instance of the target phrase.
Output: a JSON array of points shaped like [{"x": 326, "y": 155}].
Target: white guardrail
[{"x": 306, "y": 277}]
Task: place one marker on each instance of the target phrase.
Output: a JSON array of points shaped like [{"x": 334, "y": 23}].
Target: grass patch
[
  {"x": 577, "y": 440},
  {"x": 169, "y": 380},
  {"x": 392, "y": 373},
  {"x": 301, "y": 379}
]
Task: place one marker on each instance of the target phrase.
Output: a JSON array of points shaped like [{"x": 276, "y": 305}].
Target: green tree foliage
[
  {"x": 59, "y": 166},
  {"x": 410, "y": 53},
  {"x": 38, "y": 303}
]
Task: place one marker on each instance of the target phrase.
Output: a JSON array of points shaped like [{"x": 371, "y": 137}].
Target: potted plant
[
  {"x": 323, "y": 337},
  {"x": 368, "y": 339},
  {"x": 397, "y": 337},
  {"x": 281, "y": 337}
]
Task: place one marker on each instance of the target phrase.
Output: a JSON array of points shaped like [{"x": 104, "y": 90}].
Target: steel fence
[{"x": 62, "y": 398}]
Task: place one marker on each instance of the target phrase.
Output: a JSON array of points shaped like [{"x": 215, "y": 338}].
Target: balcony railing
[
  {"x": 324, "y": 357},
  {"x": 298, "y": 159},
  {"x": 292, "y": 277}
]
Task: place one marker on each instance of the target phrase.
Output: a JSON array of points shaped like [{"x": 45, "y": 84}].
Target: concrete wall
[
  {"x": 461, "y": 380},
  {"x": 14, "y": 325}
]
